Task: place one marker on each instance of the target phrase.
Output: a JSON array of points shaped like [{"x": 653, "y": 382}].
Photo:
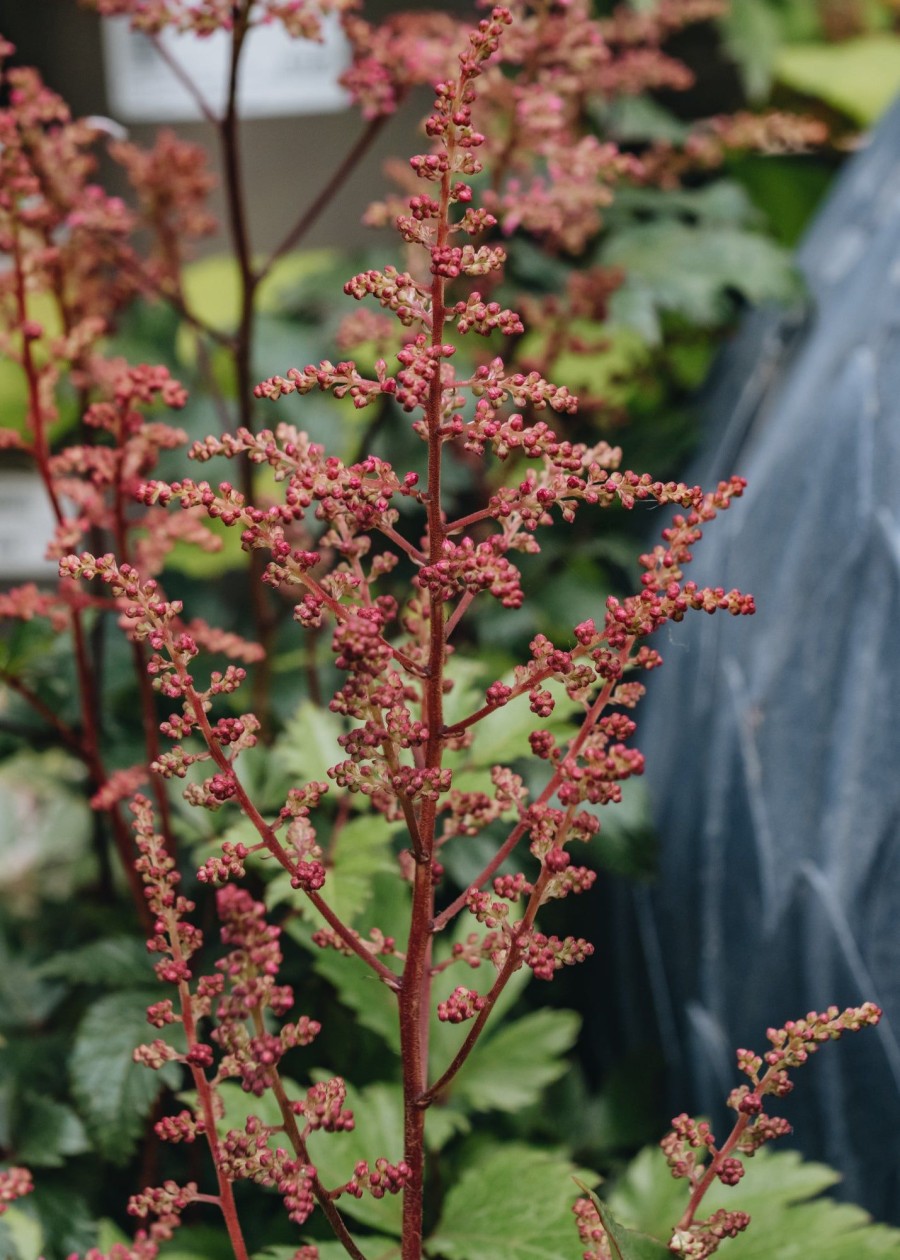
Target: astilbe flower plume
[{"x": 329, "y": 546}]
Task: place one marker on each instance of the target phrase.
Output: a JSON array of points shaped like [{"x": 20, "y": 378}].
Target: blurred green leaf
[
  {"x": 627, "y": 841},
  {"x": 197, "y": 562},
  {"x": 689, "y": 270},
  {"x": 859, "y": 77},
  {"x": 114, "y": 1094},
  {"x": 26, "y": 999},
  {"x": 47, "y": 1131},
  {"x": 21, "y": 1236},
  {"x": 212, "y": 289},
  {"x": 64, "y": 1215},
  {"x": 198, "y": 1242},
  {"x": 117, "y": 961},
  {"x": 752, "y": 35},
  {"x": 374, "y": 1245},
  {"x": 45, "y": 828}
]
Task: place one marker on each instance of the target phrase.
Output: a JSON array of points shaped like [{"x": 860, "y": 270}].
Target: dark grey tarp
[{"x": 772, "y": 742}]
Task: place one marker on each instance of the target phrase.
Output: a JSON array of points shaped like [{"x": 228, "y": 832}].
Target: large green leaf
[
  {"x": 511, "y": 1202},
  {"x": 752, "y": 34},
  {"x": 45, "y": 828},
  {"x": 782, "y": 1194},
  {"x": 47, "y": 1131},
  {"x": 114, "y": 1094},
  {"x": 510, "y": 1069},
  {"x": 689, "y": 270},
  {"x": 860, "y": 77}
]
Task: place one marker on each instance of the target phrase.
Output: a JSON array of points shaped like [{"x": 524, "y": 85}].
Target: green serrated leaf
[
  {"x": 624, "y": 1244},
  {"x": 782, "y": 1194},
  {"x": 309, "y": 743},
  {"x": 114, "y": 961},
  {"x": 859, "y": 77},
  {"x": 510, "y": 1069},
  {"x": 358, "y": 988},
  {"x": 511, "y": 1202},
  {"x": 114, "y": 1094}
]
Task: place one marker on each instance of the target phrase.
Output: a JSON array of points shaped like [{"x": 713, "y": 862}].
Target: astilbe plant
[{"x": 335, "y": 542}]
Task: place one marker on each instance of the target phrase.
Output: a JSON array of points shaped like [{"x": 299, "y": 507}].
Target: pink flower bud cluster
[
  {"x": 15, "y": 1183},
  {"x": 247, "y": 1155},
  {"x": 384, "y": 1178},
  {"x": 690, "y": 1148},
  {"x": 323, "y": 1108},
  {"x": 462, "y": 1004}
]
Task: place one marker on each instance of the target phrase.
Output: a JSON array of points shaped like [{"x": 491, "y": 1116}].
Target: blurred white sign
[
  {"x": 26, "y": 526},
  {"x": 279, "y": 75}
]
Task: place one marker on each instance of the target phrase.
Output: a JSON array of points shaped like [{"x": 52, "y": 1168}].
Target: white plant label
[
  {"x": 26, "y": 522},
  {"x": 279, "y": 75}
]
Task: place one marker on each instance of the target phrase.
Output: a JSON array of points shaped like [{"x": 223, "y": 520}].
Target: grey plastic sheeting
[{"x": 772, "y": 742}]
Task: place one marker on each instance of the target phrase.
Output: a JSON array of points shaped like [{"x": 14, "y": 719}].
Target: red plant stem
[
  {"x": 206, "y": 1101},
  {"x": 719, "y": 1155},
  {"x": 229, "y": 141},
  {"x": 511, "y": 964},
  {"x": 590, "y": 721},
  {"x": 403, "y": 543},
  {"x": 711, "y": 1173},
  {"x": 295, "y": 1137},
  {"x": 415, "y": 993}
]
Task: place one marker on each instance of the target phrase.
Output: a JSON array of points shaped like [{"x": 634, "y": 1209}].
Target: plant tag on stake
[{"x": 279, "y": 75}]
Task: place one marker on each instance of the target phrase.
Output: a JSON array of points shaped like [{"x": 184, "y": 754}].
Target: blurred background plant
[{"x": 644, "y": 202}]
